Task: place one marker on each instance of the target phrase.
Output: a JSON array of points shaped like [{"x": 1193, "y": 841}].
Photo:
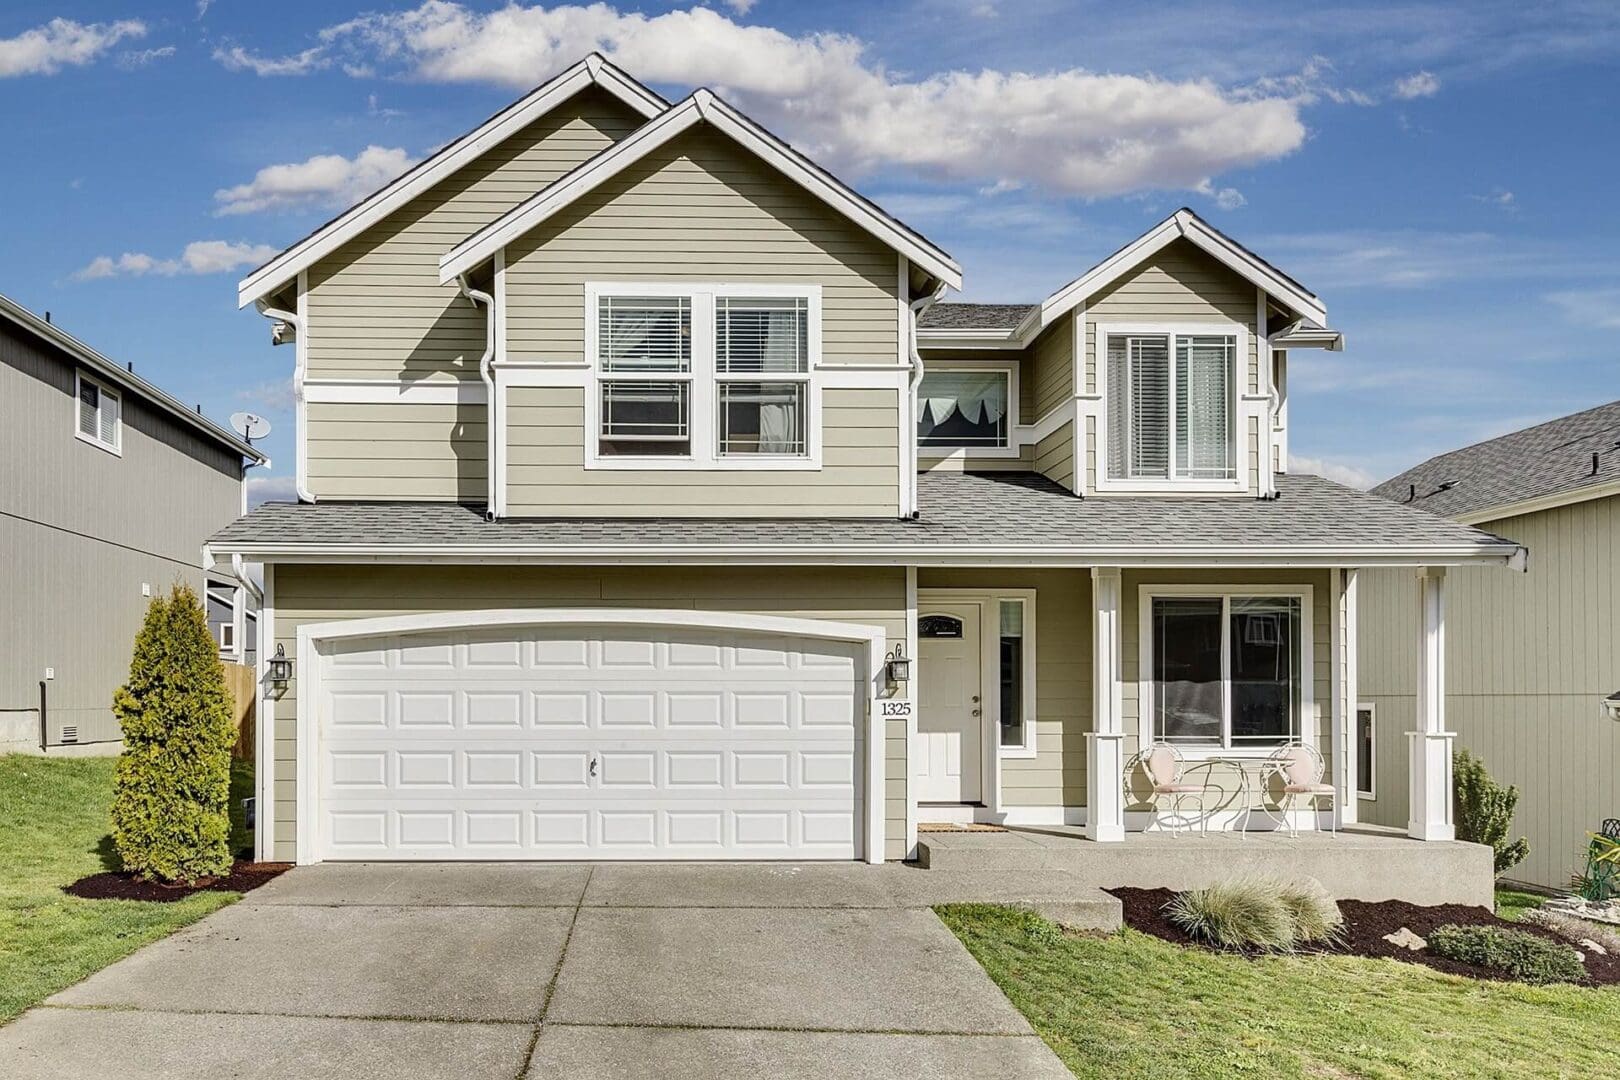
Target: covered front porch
[{"x": 1039, "y": 692}]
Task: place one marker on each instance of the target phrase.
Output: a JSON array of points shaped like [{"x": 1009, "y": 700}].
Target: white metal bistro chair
[
  {"x": 1299, "y": 769},
  {"x": 1162, "y": 763}
]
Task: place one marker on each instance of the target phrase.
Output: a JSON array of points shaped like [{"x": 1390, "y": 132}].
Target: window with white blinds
[
  {"x": 1170, "y": 406},
  {"x": 98, "y": 415},
  {"x": 704, "y": 374}
]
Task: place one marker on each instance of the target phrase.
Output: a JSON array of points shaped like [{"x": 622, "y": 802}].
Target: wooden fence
[{"x": 240, "y": 679}]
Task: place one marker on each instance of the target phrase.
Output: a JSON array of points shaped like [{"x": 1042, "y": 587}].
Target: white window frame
[
  {"x": 1366, "y": 786},
  {"x": 1013, "y": 449},
  {"x": 704, "y": 379},
  {"x": 116, "y": 447},
  {"x": 1309, "y": 722},
  {"x": 1239, "y": 480},
  {"x": 227, "y": 638}
]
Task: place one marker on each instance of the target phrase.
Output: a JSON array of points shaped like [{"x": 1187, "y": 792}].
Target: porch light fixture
[
  {"x": 1611, "y": 705},
  {"x": 281, "y": 668},
  {"x": 897, "y": 666}
]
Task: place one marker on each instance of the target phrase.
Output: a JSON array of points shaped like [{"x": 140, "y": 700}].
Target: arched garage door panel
[{"x": 564, "y": 742}]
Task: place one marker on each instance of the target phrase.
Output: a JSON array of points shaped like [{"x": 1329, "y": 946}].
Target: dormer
[{"x": 1162, "y": 370}]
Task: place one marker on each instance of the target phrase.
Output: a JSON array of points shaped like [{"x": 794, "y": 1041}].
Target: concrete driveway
[{"x": 506, "y": 970}]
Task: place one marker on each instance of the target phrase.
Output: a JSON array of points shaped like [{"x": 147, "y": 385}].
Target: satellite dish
[{"x": 250, "y": 425}]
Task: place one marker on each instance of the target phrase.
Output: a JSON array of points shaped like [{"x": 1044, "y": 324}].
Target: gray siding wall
[
  {"x": 377, "y": 311},
  {"x": 1528, "y": 659},
  {"x": 876, "y": 596},
  {"x": 83, "y": 529}
]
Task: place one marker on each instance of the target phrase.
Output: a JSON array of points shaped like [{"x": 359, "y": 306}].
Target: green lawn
[
  {"x": 1512, "y": 903},
  {"x": 1129, "y": 1005},
  {"x": 53, "y": 831}
]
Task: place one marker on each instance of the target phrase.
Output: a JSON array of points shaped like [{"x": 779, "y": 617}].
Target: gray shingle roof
[
  {"x": 1547, "y": 459},
  {"x": 1006, "y": 514},
  {"x": 974, "y": 316}
]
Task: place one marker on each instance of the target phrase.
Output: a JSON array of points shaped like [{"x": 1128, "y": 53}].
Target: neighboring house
[
  {"x": 110, "y": 489},
  {"x": 627, "y": 531},
  {"x": 1530, "y": 657}
]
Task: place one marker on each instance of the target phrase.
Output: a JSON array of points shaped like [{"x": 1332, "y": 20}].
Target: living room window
[
  {"x": 98, "y": 414},
  {"x": 703, "y": 376},
  {"x": 1226, "y": 670},
  {"x": 964, "y": 408},
  {"x": 1171, "y": 405}
]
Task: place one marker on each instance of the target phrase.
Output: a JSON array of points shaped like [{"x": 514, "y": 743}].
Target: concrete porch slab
[
  {"x": 449, "y": 963},
  {"x": 766, "y": 885},
  {"x": 74, "y": 1044},
  {"x": 428, "y": 884},
  {"x": 804, "y": 969},
  {"x": 595, "y": 1053}
]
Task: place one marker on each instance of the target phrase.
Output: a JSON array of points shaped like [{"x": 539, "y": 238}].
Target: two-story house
[
  {"x": 652, "y": 506},
  {"x": 110, "y": 489}
]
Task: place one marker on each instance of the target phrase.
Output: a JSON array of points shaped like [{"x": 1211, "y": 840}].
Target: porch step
[{"x": 973, "y": 851}]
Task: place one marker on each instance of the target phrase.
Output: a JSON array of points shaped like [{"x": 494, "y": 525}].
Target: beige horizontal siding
[
  {"x": 1054, "y": 455},
  {"x": 1056, "y": 775},
  {"x": 1528, "y": 659},
  {"x": 546, "y": 474},
  {"x": 1054, "y": 366},
  {"x": 701, "y": 209},
  {"x": 306, "y": 594},
  {"x": 393, "y": 451}
]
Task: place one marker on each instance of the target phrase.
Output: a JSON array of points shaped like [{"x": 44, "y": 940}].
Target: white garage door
[{"x": 590, "y": 743}]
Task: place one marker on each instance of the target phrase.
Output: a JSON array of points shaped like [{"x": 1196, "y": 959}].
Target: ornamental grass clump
[
  {"x": 1316, "y": 915},
  {"x": 1527, "y": 957},
  {"x": 1574, "y": 929},
  {"x": 1244, "y": 913},
  {"x": 171, "y": 790}
]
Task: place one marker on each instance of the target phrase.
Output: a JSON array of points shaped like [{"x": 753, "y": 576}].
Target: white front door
[
  {"x": 951, "y": 704},
  {"x": 590, "y": 742}
]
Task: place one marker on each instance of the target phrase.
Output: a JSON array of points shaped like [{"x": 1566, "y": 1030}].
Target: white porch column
[
  {"x": 1344, "y": 696},
  {"x": 1105, "y": 742},
  {"x": 1429, "y": 747}
]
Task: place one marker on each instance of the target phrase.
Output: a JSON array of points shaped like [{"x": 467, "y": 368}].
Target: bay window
[
  {"x": 703, "y": 376},
  {"x": 959, "y": 408},
  {"x": 1171, "y": 405},
  {"x": 1226, "y": 670}
]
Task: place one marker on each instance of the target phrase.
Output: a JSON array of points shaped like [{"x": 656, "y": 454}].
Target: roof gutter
[
  {"x": 916, "y": 307},
  {"x": 300, "y": 363},
  {"x": 479, "y": 298}
]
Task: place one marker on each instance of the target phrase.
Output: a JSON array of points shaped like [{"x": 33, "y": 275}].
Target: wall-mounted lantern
[
  {"x": 897, "y": 667},
  {"x": 1611, "y": 705},
  {"x": 281, "y": 668}
]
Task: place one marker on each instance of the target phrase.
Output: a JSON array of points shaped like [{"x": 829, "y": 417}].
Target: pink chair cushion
[
  {"x": 1308, "y": 789},
  {"x": 1176, "y": 789},
  {"x": 1160, "y": 764},
  {"x": 1299, "y": 768}
]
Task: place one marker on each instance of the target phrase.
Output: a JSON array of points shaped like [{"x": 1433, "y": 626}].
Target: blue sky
[{"x": 1440, "y": 174}]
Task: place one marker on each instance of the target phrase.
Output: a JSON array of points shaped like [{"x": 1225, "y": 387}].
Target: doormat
[{"x": 951, "y": 826}]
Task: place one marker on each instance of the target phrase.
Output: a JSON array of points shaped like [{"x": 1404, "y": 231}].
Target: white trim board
[
  {"x": 594, "y": 70},
  {"x": 308, "y": 674},
  {"x": 701, "y": 107}
]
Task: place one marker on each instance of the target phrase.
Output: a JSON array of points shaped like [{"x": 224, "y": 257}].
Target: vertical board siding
[
  {"x": 82, "y": 529},
  {"x": 1322, "y": 606},
  {"x": 1056, "y": 775},
  {"x": 1528, "y": 659},
  {"x": 546, "y": 474},
  {"x": 700, "y": 209},
  {"x": 307, "y": 594},
  {"x": 377, "y": 310}
]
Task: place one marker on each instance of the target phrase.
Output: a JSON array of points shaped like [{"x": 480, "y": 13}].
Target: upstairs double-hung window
[
  {"x": 1171, "y": 407},
  {"x": 705, "y": 376}
]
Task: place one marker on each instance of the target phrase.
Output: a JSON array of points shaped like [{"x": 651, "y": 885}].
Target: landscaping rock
[
  {"x": 1406, "y": 939},
  {"x": 1607, "y": 912},
  {"x": 1591, "y": 946}
]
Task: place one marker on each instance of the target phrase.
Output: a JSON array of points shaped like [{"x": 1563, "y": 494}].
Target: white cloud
[
  {"x": 263, "y": 489},
  {"x": 60, "y": 43},
  {"x": 1072, "y": 131},
  {"x": 1226, "y": 198},
  {"x": 323, "y": 180},
  {"x": 203, "y": 6},
  {"x": 741, "y": 7},
  {"x": 1501, "y": 198},
  {"x": 237, "y": 58},
  {"x": 1312, "y": 83},
  {"x": 1338, "y": 472},
  {"x": 273, "y": 395},
  {"x": 1590, "y": 307},
  {"x": 199, "y": 257},
  {"x": 139, "y": 58},
  {"x": 1414, "y": 258},
  {"x": 1419, "y": 84}
]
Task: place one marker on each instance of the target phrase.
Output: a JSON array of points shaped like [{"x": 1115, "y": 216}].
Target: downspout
[
  {"x": 300, "y": 486},
  {"x": 480, "y": 298},
  {"x": 916, "y": 307}
]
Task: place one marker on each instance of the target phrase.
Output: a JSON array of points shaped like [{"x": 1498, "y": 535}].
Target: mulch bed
[
  {"x": 244, "y": 877},
  {"x": 1365, "y": 924}
]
